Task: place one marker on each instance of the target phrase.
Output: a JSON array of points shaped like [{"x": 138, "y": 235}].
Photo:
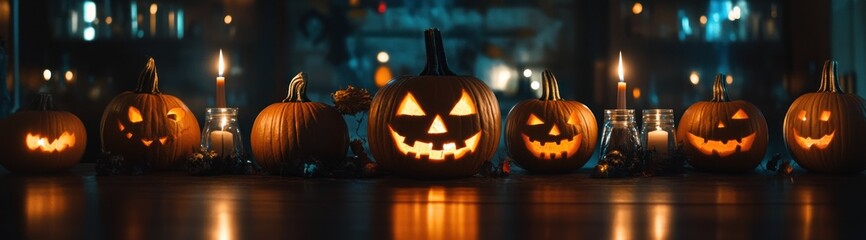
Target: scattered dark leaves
[
  {"x": 210, "y": 163},
  {"x": 114, "y": 164}
]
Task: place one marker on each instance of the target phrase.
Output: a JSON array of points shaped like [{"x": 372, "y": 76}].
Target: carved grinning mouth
[
  {"x": 449, "y": 150},
  {"x": 722, "y": 148},
  {"x": 808, "y": 142},
  {"x": 550, "y": 150},
  {"x": 147, "y": 141}
]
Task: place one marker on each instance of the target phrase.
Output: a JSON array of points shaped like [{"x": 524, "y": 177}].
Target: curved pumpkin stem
[
  {"x": 829, "y": 83},
  {"x": 298, "y": 89},
  {"x": 42, "y": 102},
  {"x": 148, "y": 81},
  {"x": 550, "y": 87},
  {"x": 436, "y": 64},
  {"x": 720, "y": 92}
]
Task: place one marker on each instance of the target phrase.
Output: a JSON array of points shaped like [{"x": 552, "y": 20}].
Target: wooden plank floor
[{"x": 573, "y": 206}]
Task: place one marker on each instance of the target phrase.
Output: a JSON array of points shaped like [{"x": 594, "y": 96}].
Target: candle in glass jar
[
  {"x": 221, "y": 84},
  {"x": 657, "y": 140},
  {"x": 222, "y": 141}
]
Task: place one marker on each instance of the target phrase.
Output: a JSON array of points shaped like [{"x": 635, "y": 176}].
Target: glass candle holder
[
  {"x": 658, "y": 132},
  {"x": 620, "y": 133},
  {"x": 221, "y": 132}
]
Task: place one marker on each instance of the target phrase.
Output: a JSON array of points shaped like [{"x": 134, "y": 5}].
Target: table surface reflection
[{"x": 176, "y": 206}]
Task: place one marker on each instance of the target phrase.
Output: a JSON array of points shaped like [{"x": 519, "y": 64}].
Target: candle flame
[
  {"x": 222, "y": 64},
  {"x": 619, "y": 68}
]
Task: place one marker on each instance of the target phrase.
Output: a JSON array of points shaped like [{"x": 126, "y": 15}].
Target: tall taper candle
[
  {"x": 620, "y": 87},
  {"x": 221, "y": 84}
]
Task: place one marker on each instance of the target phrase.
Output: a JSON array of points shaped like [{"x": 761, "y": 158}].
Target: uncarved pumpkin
[
  {"x": 550, "y": 134},
  {"x": 722, "y": 135},
  {"x": 436, "y": 125},
  {"x": 296, "y": 128},
  {"x": 823, "y": 129},
  {"x": 42, "y": 139},
  {"x": 147, "y": 126}
]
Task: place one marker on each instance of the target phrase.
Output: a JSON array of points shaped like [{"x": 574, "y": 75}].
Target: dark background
[{"x": 773, "y": 51}]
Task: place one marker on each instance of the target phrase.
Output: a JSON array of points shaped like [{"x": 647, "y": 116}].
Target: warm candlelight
[
  {"x": 658, "y": 140},
  {"x": 620, "y": 87},
  {"x": 222, "y": 141},
  {"x": 221, "y": 84}
]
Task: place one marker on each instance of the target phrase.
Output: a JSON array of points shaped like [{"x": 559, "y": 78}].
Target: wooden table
[{"x": 176, "y": 206}]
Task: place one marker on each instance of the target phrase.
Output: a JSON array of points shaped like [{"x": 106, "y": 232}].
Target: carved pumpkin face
[
  {"x": 42, "y": 139},
  {"x": 550, "y": 134},
  {"x": 433, "y": 142},
  {"x": 132, "y": 126},
  {"x": 822, "y": 129},
  {"x": 723, "y": 136},
  {"x": 822, "y": 141},
  {"x": 436, "y": 125},
  {"x": 724, "y": 147},
  {"x": 148, "y": 126}
]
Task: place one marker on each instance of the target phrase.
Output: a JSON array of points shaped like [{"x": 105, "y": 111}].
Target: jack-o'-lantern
[
  {"x": 42, "y": 139},
  {"x": 296, "y": 128},
  {"x": 436, "y": 125},
  {"x": 722, "y": 135},
  {"x": 147, "y": 126},
  {"x": 550, "y": 134},
  {"x": 823, "y": 129}
]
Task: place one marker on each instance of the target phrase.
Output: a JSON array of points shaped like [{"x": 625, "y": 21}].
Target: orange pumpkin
[
  {"x": 147, "y": 126},
  {"x": 722, "y": 135},
  {"x": 822, "y": 129},
  {"x": 42, "y": 139},
  {"x": 436, "y": 125},
  {"x": 295, "y": 128},
  {"x": 550, "y": 134}
]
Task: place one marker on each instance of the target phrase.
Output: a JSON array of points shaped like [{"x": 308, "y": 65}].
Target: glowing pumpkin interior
[
  {"x": 423, "y": 149},
  {"x": 807, "y": 142},
  {"x": 551, "y": 149},
  {"x": 136, "y": 118},
  {"x": 36, "y": 142},
  {"x": 724, "y": 147}
]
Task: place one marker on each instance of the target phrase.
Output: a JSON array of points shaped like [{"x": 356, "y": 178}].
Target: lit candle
[
  {"x": 658, "y": 140},
  {"x": 222, "y": 142},
  {"x": 221, "y": 84},
  {"x": 620, "y": 87}
]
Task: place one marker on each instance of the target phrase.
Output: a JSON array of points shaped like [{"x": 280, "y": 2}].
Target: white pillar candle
[
  {"x": 222, "y": 142},
  {"x": 658, "y": 140}
]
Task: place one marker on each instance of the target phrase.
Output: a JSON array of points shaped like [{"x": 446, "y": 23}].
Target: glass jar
[
  {"x": 620, "y": 132},
  {"x": 658, "y": 132},
  {"x": 221, "y": 132}
]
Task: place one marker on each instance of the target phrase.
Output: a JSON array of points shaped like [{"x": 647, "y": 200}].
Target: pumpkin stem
[
  {"x": 42, "y": 102},
  {"x": 550, "y": 87},
  {"x": 298, "y": 89},
  {"x": 720, "y": 92},
  {"x": 829, "y": 83},
  {"x": 148, "y": 81},
  {"x": 436, "y": 64}
]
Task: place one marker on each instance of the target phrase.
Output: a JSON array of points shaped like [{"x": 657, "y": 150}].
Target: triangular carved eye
[
  {"x": 572, "y": 120},
  {"x": 534, "y": 120},
  {"x": 463, "y": 107},
  {"x": 825, "y": 115},
  {"x": 740, "y": 114},
  {"x": 409, "y": 107},
  {"x": 134, "y": 115}
]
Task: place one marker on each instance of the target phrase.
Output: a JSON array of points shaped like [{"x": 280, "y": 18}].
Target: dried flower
[{"x": 352, "y": 100}]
